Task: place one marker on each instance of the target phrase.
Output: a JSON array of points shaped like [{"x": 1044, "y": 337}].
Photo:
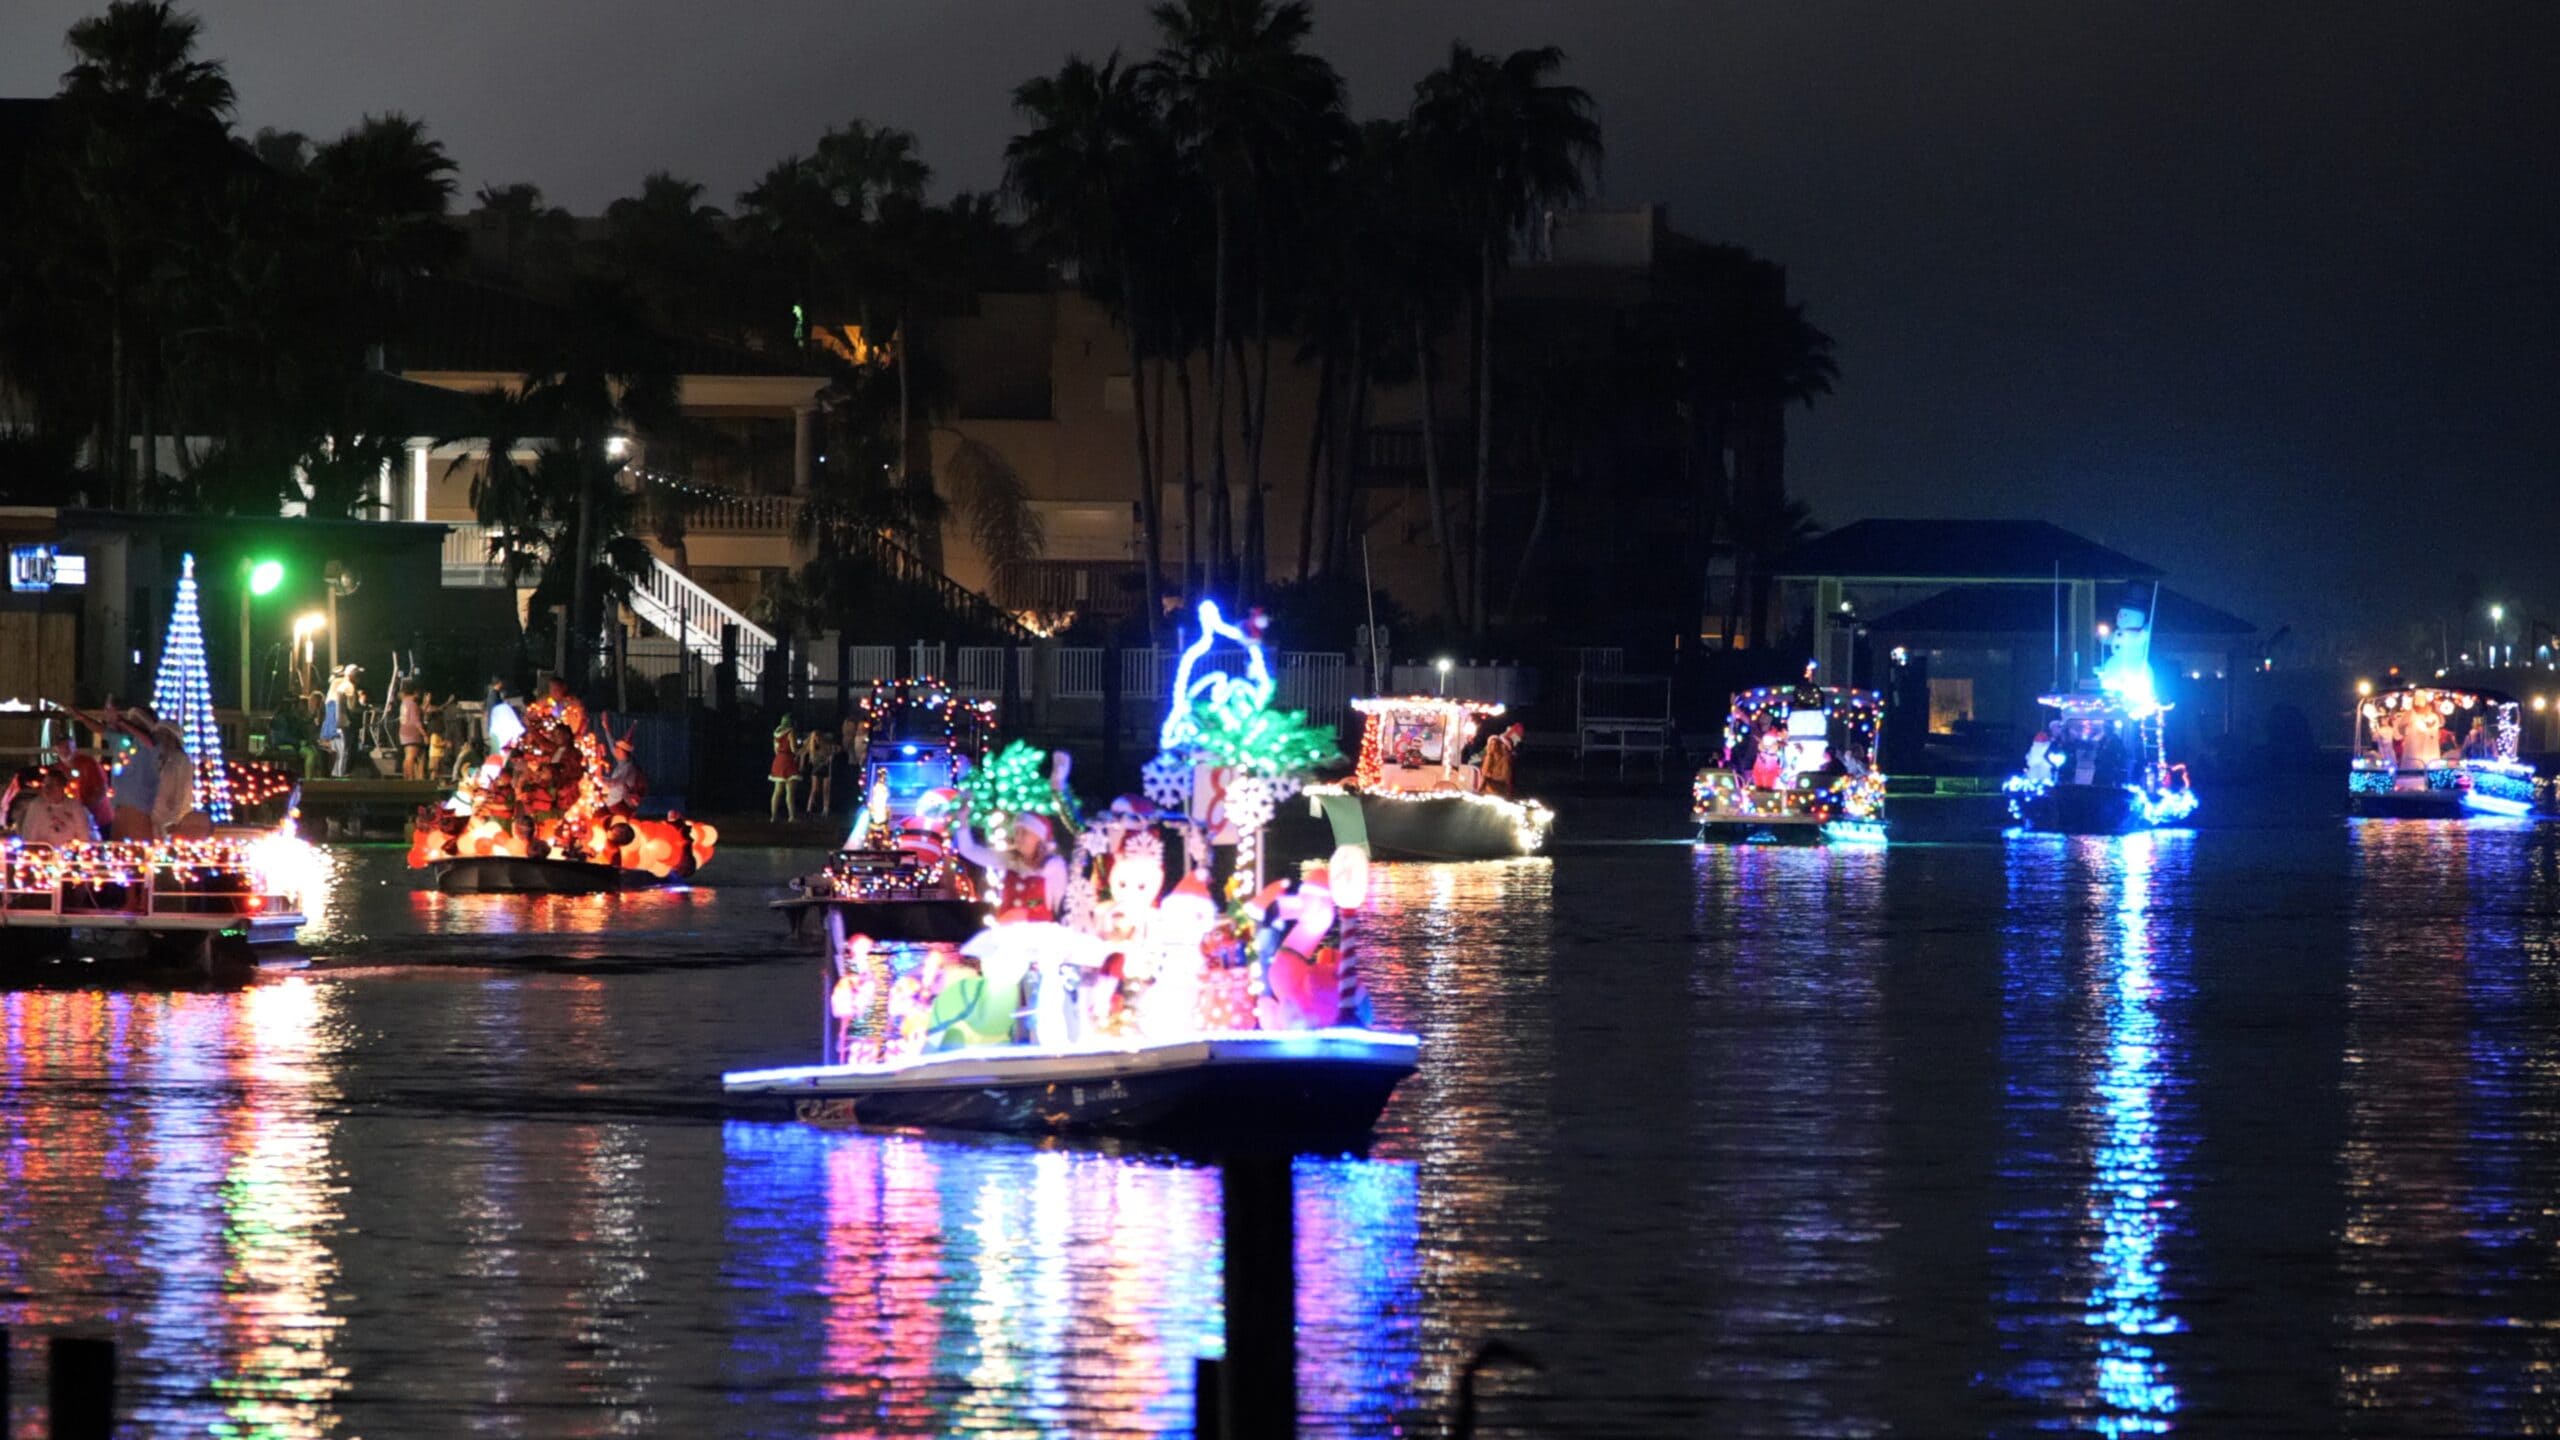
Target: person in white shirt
[{"x": 53, "y": 817}]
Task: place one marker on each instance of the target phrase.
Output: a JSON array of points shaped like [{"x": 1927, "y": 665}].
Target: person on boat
[
  {"x": 2476, "y": 744},
  {"x": 1497, "y": 767},
  {"x": 1125, "y": 921},
  {"x": 89, "y": 780},
  {"x": 785, "y": 774},
  {"x": 1769, "y": 761},
  {"x": 504, "y": 723},
  {"x": 137, "y": 785},
  {"x": 626, "y": 783},
  {"x": 174, "y": 795},
  {"x": 2040, "y": 760},
  {"x": 51, "y": 816},
  {"x": 2108, "y": 758},
  {"x": 1029, "y": 873}
]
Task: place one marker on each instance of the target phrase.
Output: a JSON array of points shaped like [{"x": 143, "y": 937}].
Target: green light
[{"x": 265, "y": 576}]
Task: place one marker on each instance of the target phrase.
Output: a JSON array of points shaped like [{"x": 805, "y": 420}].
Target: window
[{"x": 1950, "y": 703}]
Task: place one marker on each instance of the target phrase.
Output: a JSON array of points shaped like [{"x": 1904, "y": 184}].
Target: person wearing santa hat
[{"x": 1029, "y": 875}]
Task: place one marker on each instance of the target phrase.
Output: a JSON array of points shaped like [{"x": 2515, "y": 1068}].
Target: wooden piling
[{"x": 1259, "y": 1377}]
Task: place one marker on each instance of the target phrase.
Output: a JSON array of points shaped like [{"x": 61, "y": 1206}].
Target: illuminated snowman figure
[
  {"x": 2126, "y": 672},
  {"x": 1808, "y": 741}
]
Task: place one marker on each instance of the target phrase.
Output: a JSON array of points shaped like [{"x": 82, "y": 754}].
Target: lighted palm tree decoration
[{"x": 1509, "y": 144}]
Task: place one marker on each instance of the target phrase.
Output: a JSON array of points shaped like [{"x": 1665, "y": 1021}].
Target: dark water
[{"x": 2245, "y": 1132}]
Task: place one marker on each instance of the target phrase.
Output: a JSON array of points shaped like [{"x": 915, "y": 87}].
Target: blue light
[
  {"x": 908, "y": 750},
  {"x": 1179, "y": 730}
]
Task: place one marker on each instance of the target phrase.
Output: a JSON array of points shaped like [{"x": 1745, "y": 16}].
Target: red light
[{"x": 257, "y": 903}]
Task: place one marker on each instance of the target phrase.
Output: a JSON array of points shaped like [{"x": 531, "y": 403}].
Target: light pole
[
  {"x": 1442, "y": 665},
  {"x": 263, "y": 576},
  {"x": 2497, "y": 621}
]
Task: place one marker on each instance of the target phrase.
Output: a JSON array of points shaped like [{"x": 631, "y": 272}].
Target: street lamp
[
  {"x": 1442, "y": 665},
  {"x": 263, "y": 577}
]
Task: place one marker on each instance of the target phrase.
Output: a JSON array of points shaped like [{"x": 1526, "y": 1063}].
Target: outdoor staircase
[{"x": 667, "y": 601}]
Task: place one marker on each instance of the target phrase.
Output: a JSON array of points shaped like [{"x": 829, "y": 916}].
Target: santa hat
[
  {"x": 1039, "y": 823},
  {"x": 1192, "y": 888}
]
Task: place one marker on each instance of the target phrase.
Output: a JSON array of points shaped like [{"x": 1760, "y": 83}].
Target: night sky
[{"x": 2261, "y": 293}]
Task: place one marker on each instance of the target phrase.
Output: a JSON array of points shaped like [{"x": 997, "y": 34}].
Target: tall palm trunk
[
  {"x": 1315, "y": 467},
  {"x": 1191, "y": 547},
  {"x": 577, "y": 617},
  {"x": 1220, "y": 522},
  {"x": 1257, "y": 537},
  {"x": 1347, "y": 516},
  {"x": 1248, "y": 555},
  {"x": 1431, "y": 475},
  {"x": 1529, "y": 546},
  {"x": 1484, "y": 439},
  {"x": 906, "y": 450},
  {"x": 118, "y": 458},
  {"x": 1150, "y": 501}
]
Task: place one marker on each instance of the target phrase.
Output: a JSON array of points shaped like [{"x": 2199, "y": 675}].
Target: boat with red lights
[
  {"x": 548, "y": 813},
  {"x": 1798, "y": 765},
  {"x": 191, "y": 901},
  {"x": 1413, "y": 795},
  {"x": 2438, "y": 752}
]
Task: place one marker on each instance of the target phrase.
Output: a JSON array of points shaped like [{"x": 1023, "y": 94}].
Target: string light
[{"x": 182, "y": 695}]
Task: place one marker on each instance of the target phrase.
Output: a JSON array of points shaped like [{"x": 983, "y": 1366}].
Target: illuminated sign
[{"x": 34, "y": 569}]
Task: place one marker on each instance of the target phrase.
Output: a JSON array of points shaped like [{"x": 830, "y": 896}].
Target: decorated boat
[
  {"x": 2438, "y": 752},
  {"x": 896, "y": 876},
  {"x": 2100, "y": 765},
  {"x": 1799, "y": 764},
  {"x": 1413, "y": 795},
  {"x": 197, "y": 902},
  {"x": 1098, "y": 999},
  {"x": 548, "y": 813}
]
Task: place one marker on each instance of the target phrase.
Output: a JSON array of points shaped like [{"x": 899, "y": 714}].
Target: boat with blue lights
[
  {"x": 1413, "y": 793},
  {"x": 2101, "y": 764},
  {"x": 1798, "y": 765},
  {"x": 1096, "y": 998},
  {"x": 2438, "y": 752},
  {"x": 896, "y": 877}
]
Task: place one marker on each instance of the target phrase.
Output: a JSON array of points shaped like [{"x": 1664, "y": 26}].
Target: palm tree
[
  {"x": 537, "y": 243},
  {"x": 137, "y": 86},
  {"x": 1081, "y": 172},
  {"x": 1239, "y": 92},
  {"x": 141, "y": 53},
  {"x": 673, "y": 249},
  {"x": 564, "y": 516},
  {"x": 1509, "y": 144}
]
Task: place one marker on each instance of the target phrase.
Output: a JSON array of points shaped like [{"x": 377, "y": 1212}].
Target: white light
[{"x": 618, "y": 447}]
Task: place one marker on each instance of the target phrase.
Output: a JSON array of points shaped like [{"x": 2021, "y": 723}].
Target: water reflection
[
  {"x": 184, "y": 1199},
  {"x": 2097, "y": 1130},
  {"x": 2452, "y": 1071},
  {"x": 1787, "y": 1122},
  {"x": 898, "y": 1285}
]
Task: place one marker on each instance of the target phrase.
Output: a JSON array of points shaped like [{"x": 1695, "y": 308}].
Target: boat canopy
[
  {"x": 1413, "y": 743},
  {"x": 2439, "y": 724}
]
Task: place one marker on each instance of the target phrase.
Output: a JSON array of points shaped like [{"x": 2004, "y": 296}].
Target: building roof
[
  {"x": 2028, "y": 609},
  {"x": 470, "y": 326},
  {"x": 1957, "y": 550}
]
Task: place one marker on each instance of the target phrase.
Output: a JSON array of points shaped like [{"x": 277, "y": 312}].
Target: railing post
[{"x": 725, "y": 679}]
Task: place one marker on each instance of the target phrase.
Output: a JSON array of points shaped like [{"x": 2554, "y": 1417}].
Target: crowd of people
[{"x": 135, "y": 781}]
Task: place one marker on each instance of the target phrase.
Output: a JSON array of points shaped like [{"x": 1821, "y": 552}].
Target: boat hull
[
  {"x": 2083, "y": 810},
  {"x": 517, "y": 875},
  {"x": 2409, "y": 805},
  {"x": 1439, "y": 827},
  {"x": 1301, "y": 1087},
  {"x": 920, "y": 922}
]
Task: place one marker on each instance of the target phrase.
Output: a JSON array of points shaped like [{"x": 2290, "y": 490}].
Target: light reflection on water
[
  {"x": 2096, "y": 1129},
  {"x": 2248, "y": 1132}
]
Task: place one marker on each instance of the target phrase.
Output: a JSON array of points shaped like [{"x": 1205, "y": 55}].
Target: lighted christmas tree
[{"x": 182, "y": 694}]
